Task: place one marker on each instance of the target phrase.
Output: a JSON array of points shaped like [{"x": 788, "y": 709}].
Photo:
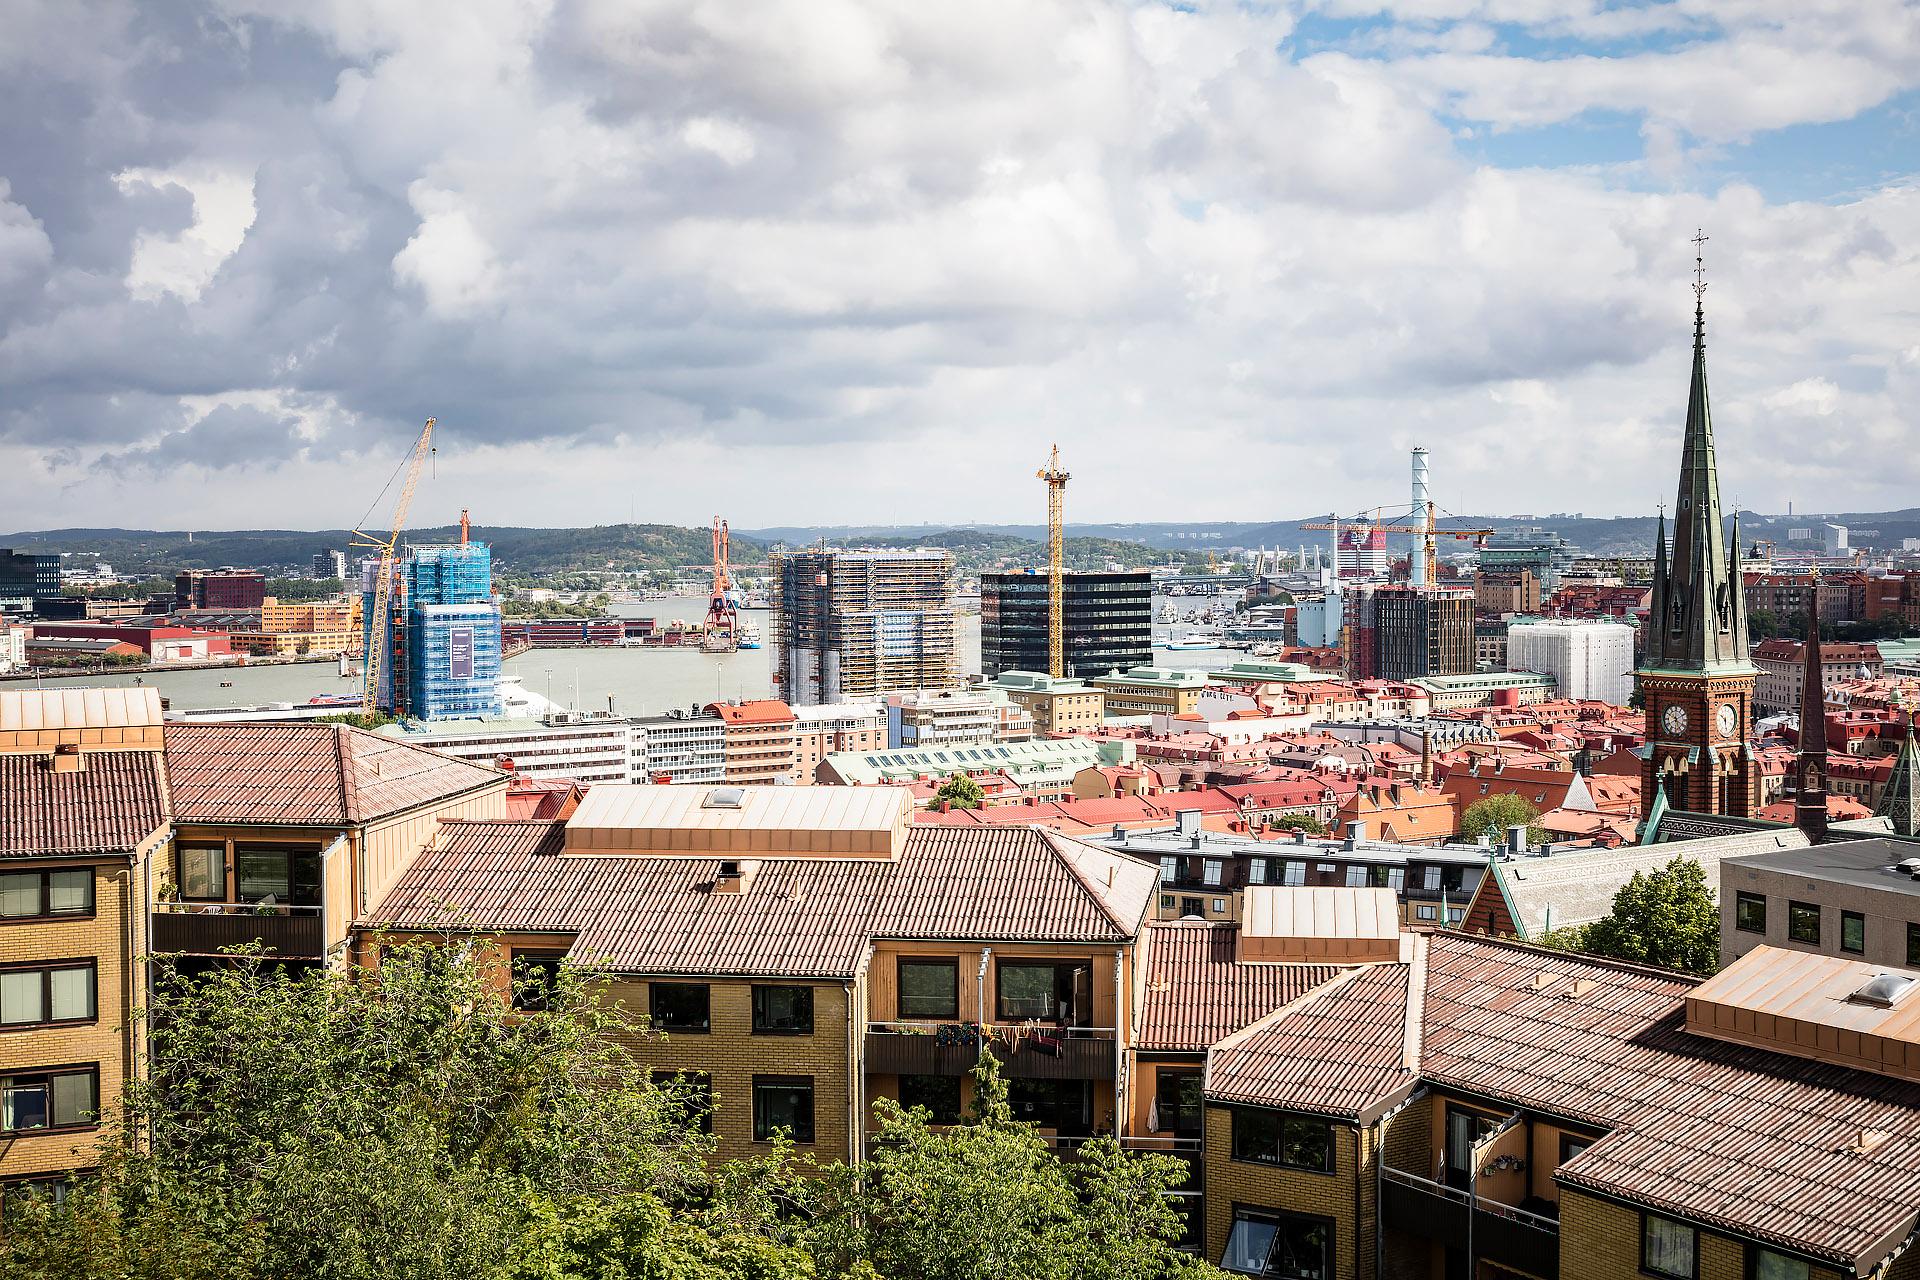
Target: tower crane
[
  {"x": 1419, "y": 525},
  {"x": 722, "y": 633},
  {"x": 379, "y": 622},
  {"x": 1056, "y": 481}
]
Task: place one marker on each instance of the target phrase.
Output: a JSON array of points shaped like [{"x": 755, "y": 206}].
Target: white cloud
[{"x": 184, "y": 264}]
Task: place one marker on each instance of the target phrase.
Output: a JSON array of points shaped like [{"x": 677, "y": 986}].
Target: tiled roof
[
  {"x": 763, "y": 711},
  {"x": 1012, "y": 884},
  {"x": 323, "y": 774},
  {"x": 110, "y": 805},
  {"x": 1196, "y": 994},
  {"x": 1340, "y": 1050}
]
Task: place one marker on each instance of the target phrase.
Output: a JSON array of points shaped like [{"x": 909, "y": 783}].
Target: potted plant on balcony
[{"x": 167, "y": 895}]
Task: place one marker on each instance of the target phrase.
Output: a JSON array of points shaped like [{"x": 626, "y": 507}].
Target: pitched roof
[
  {"x": 1197, "y": 993},
  {"x": 298, "y": 774},
  {"x": 1012, "y": 884},
  {"x": 762, "y": 711},
  {"x": 110, "y": 805}
]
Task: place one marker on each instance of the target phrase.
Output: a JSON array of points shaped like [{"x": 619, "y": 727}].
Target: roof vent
[
  {"x": 724, "y": 798},
  {"x": 1867, "y": 1141},
  {"x": 1544, "y": 979},
  {"x": 1580, "y": 987},
  {"x": 1885, "y": 990},
  {"x": 734, "y": 877},
  {"x": 1909, "y": 865}
]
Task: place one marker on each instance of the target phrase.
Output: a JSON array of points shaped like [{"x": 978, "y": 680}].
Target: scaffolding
[{"x": 853, "y": 625}]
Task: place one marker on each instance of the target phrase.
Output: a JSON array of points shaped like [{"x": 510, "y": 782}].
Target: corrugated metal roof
[
  {"x": 111, "y": 805},
  {"x": 328, "y": 774},
  {"x": 1277, "y": 911},
  {"x": 116, "y": 708},
  {"x": 1197, "y": 994},
  {"x": 1339, "y": 1050}
]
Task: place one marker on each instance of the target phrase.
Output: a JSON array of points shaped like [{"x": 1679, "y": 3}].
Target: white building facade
[{"x": 1587, "y": 660}]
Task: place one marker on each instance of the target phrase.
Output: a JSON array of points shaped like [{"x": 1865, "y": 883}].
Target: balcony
[
  {"x": 1502, "y": 1234},
  {"x": 208, "y": 929},
  {"x": 1027, "y": 1052}
]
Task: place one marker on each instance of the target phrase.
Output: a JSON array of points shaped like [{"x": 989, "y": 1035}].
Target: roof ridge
[
  {"x": 1054, "y": 840},
  {"x": 343, "y": 764},
  {"x": 1582, "y": 957}
]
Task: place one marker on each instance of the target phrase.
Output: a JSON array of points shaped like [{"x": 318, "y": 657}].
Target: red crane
[{"x": 722, "y": 631}]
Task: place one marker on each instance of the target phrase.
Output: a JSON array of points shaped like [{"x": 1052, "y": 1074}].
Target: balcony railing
[
  {"x": 1025, "y": 1050},
  {"x": 208, "y": 928},
  {"x": 1501, "y": 1233}
]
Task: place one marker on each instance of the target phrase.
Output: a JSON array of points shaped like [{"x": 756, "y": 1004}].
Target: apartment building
[
  {"x": 821, "y": 731},
  {"x": 1146, "y": 691},
  {"x": 287, "y": 630},
  {"x": 805, "y": 951},
  {"x": 580, "y": 746},
  {"x": 1851, "y": 898},
  {"x": 679, "y": 747},
  {"x": 760, "y": 737},
  {"x": 1057, "y": 705},
  {"x": 1502, "y": 591},
  {"x": 941, "y": 717},
  {"x": 1586, "y": 660},
  {"x": 83, "y": 814},
  {"x": 1783, "y": 665}
]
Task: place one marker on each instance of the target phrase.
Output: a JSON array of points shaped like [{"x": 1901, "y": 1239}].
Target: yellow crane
[
  {"x": 1057, "y": 567},
  {"x": 380, "y": 625}
]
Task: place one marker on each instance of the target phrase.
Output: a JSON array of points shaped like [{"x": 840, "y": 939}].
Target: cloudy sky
[{"x": 832, "y": 261}]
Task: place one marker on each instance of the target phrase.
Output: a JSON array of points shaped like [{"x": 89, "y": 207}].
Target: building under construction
[
  {"x": 856, "y": 625},
  {"x": 445, "y": 644}
]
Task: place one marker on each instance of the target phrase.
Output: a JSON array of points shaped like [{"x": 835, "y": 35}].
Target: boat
[
  {"x": 226, "y": 684},
  {"x": 1192, "y": 640},
  {"x": 749, "y": 637}
]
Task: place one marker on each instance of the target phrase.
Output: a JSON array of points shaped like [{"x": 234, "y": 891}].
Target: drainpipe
[
  {"x": 980, "y": 1008},
  {"x": 856, "y": 1084},
  {"x": 1119, "y": 1058}
]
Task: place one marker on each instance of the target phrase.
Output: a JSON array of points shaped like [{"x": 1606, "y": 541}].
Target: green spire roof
[{"x": 1901, "y": 800}]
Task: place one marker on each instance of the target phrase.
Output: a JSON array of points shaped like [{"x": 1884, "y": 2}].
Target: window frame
[
  {"x": 521, "y": 965},
  {"x": 1793, "y": 925},
  {"x": 762, "y": 1131},
  {"x": 1247, "y": 1151},
  {"x": 701, "y": 1082},
  {"x": 1057, "y": 967},
  {"x": 761, "y": 992},
  {"x": 653, "y": 1007},
  {"x": 90, "y": 1069},
  {"x": 1751, "y": 1269},
  {"x": 941, "y": 1115},
  {"x": 289, "y": 852},
  {"x": 903, "y": 963},
  {"x": 90, "y": 965},
  {"x": 180, "y": 852},
  {"x": 1279, "y": 1219},
  {"x": 1646, "y": 1219},
  {"x": 1742, "y": 900},
  {"x": 45, "y": 876},
  {"x": 1856, "y": 918},
  {"x": 1913, "y": 943}
]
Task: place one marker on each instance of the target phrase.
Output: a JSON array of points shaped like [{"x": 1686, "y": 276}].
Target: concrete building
[
  {"x": 330, "y": 564},
  {"x": 687, "y": 747},
  {"x": 1318, "y": 620},
  {"x": 759, "y": 741},
  {"x": 1042, "y": 769},
  {"x": 941, "y": 717},
  {"x": 1364, "y": 554},
  {"x": 13, "y": 647},
  {"x": 1782, "y": 666},
  {"x": 819, "y": 732},
  {"x": 26, "y": 579},
  {"x": 1586, "y": 660},
  {"x": 219, "y": 589},
  {"x": 1400, "y": 633},
  {"x": 1843, "y": 898},
  {"x": 1106, "y": 619},
  {"x": 578, "y": 746},
  {"x": 1544, "y": 554},
  {"x": 1486, "y": 689},
  {"x": 325, "y": 627},
  {"x": 853, "y": 626},
  {"x": 1057, "y": 706},
  {"x": 1145, "y": 691},
  {"x": 1503, "y": 591}
]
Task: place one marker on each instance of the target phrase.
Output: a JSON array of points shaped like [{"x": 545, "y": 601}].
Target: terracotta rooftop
[
  {"x": 110, "y": 805},
  {"x": 763, "y": 711},
  {"x": 1197, "y": 994},
  {"x": 306, "y": 774}
]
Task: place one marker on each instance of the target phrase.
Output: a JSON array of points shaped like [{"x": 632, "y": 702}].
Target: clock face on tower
[
  {"x": 1674, "y": 720},
  {"x": 1727, "y": 720}
]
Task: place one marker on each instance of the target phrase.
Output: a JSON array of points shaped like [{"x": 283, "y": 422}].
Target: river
[{"x": 639, "y": 681}]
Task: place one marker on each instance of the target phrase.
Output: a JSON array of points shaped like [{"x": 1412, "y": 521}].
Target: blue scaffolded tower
[{"x": 448, "y": 666}]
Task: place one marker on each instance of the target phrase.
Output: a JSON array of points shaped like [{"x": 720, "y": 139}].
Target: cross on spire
[{"x": 1699, "y": 283}]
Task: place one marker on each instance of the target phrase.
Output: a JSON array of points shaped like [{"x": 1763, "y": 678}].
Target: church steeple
[
  {"x": 1901, "y": 800},
  {"x": 1810, "y": 763}
]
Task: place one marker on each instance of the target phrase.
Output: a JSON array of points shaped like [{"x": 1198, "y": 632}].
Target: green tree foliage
[
  {"x": 1666, "y": 917},
  {"x": 1496, "y": 813},
  {"x": 1299, "y": 822},
  {"x": 358, "y": 719},
  {"x": 961, "y": 792}
]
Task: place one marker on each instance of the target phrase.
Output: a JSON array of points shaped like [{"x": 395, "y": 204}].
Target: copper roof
[
  {"x": 112, "y": 804},
  {"x": 1197, "y": 994},
  {"x": 320, "y": 774}
]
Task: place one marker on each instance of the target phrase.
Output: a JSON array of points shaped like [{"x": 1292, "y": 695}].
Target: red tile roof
[
  {"x": 1013, "y": 884},
  {"x": 1197, "y": 993},
  {"x": 111, "y": 805},
  {"x": 762, "y": 711},
  {"x": 306, "y": 774}
]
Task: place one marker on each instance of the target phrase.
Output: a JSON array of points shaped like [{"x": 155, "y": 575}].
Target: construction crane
[
  {"x": 379, "y": 623},
  {"x": 722, "y": 633},
  {"x": 1056, "y": 480}
]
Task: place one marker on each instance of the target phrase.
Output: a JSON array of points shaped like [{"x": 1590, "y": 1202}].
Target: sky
[{"x": 863, "y": 261}]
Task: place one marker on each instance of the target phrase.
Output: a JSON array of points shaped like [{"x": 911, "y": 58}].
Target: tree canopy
[
  {"x": 960, "y": 792},
  {"x": 1666, "y": 917},
  {"x": 1496, "y": 813}
]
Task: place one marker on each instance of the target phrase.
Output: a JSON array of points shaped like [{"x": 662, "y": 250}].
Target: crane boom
[
  {"x": 722, "y": 632},
  {"x": 1057, "y": 566},
  {"x": 379, "y": 626}
]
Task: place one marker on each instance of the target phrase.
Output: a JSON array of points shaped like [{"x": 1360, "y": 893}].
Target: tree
[
  {"x": 1666, "y": 917},
  {"x": 960, "y": 792},
  {"x": 1299, "y": 822},
  {"x": 1496, "y": 813}
]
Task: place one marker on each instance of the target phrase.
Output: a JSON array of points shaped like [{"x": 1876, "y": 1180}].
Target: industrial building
[
  {"x": 853, "y": 626},
  {"x": 1106, "y": 621},
  {"x": 26, "y": 578},
  {"x": 219, "y": 589},
  {"x": 1587, "y": 660}
]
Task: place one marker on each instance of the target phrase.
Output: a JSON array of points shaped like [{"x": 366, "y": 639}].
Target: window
[
  {"x": 1210, "y": 871},
  {"x": 783, "y": 1011},
  {"x": 1571, "y": 1146},
  {"x": 1256, "y": 871},
  {"x": 62, "y": 1099},
  {"x": 47, "y": 993},
  {"x": 929, "y": 988},
  {"x": 692, "y": 1094},
  {"x": 1297, "y": 1142},
  {"x": 1166, "y": 902},
  {"x": 1295, "y": 874},
  {"x": 1064, "y": 1106},
  {"x": 1042, "y": 989},
  {"x": 1750, "y": 912},
  {"x": 1430, "y": 879},
  {"x": 783, "y": 1103},
  {"x": 1667, "y": 1247},
  {"x": 203, "y": 872},
  {"x": 285, "y": 874},
  {"x": 30, "y": 895},
  {"x": 1913, "y": 944},
  {"x": 536, "y": 975},
  {"x": 1427, "y": 912},
  {"x": 1356, "y": 877},
  {"x": 1169, "y": 869},
  {"x": 1192, "y": 907},
  {"x": 1176, "y": 1101},
  {"x": 1803, "y": 922},
  {"x": 681, "y": 1006},
  {"x": 1219, "y": 906},
  {"x": 939, "y": 1095},
  {"x": 1464, "y": 1129},
  {"x": 1270, "y": 1244},
  {"x": 1765, "y": 1264},
  {"x": 1853, "y": 932}
]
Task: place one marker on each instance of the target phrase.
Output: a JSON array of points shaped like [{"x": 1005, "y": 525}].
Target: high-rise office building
[
  {"x": 1404, "y": 633},
  {"x": 27, "y": 577},
  {"x": 329, "y": 564},
  {"x": 1106, "y": 618},
  {"x": 858, "y": 625}
]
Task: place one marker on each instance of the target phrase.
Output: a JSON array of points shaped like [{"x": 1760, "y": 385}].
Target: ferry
[
  {"x": 1192, "y": 640},
  {"x": 749, "y": 637}
]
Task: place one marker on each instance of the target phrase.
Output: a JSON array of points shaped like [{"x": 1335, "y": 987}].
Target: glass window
[
  {"x": 41, "y": 1100},
  {"x": 1750, "y": 912},
  {"x": 203, "y": 872},
  {"x": 71, "y": 993},
  {"x": 1166, "y": 902},
  {"x": 1768, "y": 1265},
  {"x": 1248, "y": 1244},
  {"x": 46, "y": 994},
  {"x": 1667, "y": 1247},
  {"x": 1430, "y": 877},
  {"x": 23, "y": 997},
  {"x": 22, "y": 894},
  {"x": 27, "y": 895},
  {"x": 681, "y": 1006},
  {"x": 1427, "y": 912},
  {"x": 1262, "y": 1244},
  {"x": 1177, "y": 1099},
  {"x": 263, "y": 873},
  {"x": 1169, "y": 869},
  {"x": 1296, "y": 873},
  {"x": 938, "y": 1095},
  {"x": 783, "y": 1011},
  {"x": 1356, "y": 877},
  {"x": 1219, "y": 906},
  {"x": 783, "y": 1103},
  {"x": 1210, "y": 871},
  {"x": 1298, "y": 1142},
  {"x": 1025, "y": 990},
  {"x": 1803, "y": 922},
  {"x": 1256, "y": 871},
  {"x": 1913, "y": 944},
  {"x": 1853, "y": 932},
  {"x": 70, "y": 893},
  {"x": 1570, "y": 1146},
  {"x": 536, "y": 975},
  {"x": 929, "y": 988}
]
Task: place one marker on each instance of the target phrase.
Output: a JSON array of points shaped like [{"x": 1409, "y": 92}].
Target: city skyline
[{"x": 636, "y": 258}]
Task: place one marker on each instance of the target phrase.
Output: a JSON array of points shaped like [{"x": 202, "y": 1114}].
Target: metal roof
[
  {"x": 1276, "y": 911},
  {"x": 115, "y": 708},
  {"x": 822, "y": 821}
]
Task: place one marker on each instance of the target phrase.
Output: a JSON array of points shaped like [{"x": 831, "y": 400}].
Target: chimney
[
  {"x": 1119, "y": 832},
  {"x": 67, "y": 758},
  {"x": 1356, "y": 832},
  {"x": 735, "y": 876},
  {"x": 1299, "y": 836},
  {"x": 1517, "y": 839}
]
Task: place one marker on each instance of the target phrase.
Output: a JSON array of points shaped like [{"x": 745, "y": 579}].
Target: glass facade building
[
  {"x": 27, "y": 577},
  {"x": 1107, "y": 622},
  {"x": 448, "y": 628}
]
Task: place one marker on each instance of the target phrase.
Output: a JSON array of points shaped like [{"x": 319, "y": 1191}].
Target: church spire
[
  {"x": 1810, "y": 765},
  {"x": 1901, "y": 800}
]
